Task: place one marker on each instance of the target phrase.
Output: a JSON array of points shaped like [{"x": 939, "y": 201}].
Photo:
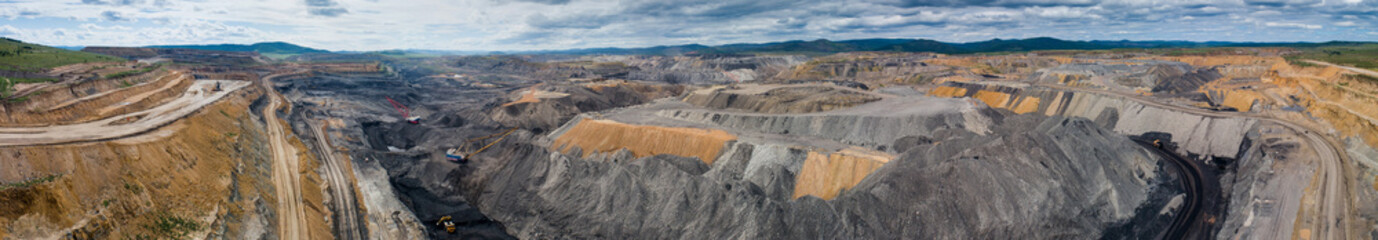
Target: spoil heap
[{"x": 846, "y": 173}]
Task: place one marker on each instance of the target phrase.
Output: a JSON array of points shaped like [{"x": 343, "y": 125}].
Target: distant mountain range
[
  {"x": 821, "y": 46},
  {"x": 824, "y": 46},
  {"x": 262, "y": 48}
]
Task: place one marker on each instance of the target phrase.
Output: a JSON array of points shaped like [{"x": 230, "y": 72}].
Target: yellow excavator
[
  {"x": 448, "y": 223},
  {"x": 461, "y": 153}
]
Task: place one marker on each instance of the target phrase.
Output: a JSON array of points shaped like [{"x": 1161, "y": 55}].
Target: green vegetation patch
[
  {"x": 167, "y": 226},
  {"x": 30, "y": 182},
  {"x": 1363, "y": 78},
  {"x": 24, "y": 57},
  {"x": 1360, "y": 55},
  {"x": 131, "y": 72}
]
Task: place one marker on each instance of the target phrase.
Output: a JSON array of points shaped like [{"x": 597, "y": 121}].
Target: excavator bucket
[
  {"x": 462, "y": 155},
  {"x": 448, "y": 223}
]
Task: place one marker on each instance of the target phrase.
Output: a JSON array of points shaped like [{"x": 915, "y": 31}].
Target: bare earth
[
  {"x": 197, "y": 96},
  {"x": 1328, "y": 216},
  {"x": 286, "y": 175}
]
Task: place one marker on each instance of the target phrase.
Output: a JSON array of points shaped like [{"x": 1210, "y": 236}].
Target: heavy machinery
[
  {"x": 461, "y": 154},
  {"x": 406, "y": 113},
  {"x": 448, "y": 223}
]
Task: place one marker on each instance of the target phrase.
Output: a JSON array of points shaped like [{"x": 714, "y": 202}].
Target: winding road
[
  {"x": 1183, "y": 224},
  {"x": 342, "y": 189},
  {"x": 286, "y": 172},
  {"x": 1333, "y": 212},
  {"x": 1352, "y": 69},
  {"x": 287, "y": 177}
]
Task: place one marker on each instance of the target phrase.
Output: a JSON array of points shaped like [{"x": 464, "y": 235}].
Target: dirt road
[
  {"x": 1353, "y": 69},
  {"x": 1332, "y": 210},
  {"x": 342, "y": 188},
  {"x": 197, "y": 96},
  {"x": 1186, "y": 222},
  {"x": 286, "y": 172}
]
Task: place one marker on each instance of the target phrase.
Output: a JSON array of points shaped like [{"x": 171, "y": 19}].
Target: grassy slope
[
  {"x": 1356, "y": 55},
  {"x": 25, "y": 57}
]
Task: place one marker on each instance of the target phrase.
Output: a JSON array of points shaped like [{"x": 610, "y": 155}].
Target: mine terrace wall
[
  {"x": 826, "y": 175},
  {"x": 1206, "y": 136},
  {"x": 874, "y": 125},
  {"x": 96, "y": 99},
  {"x": 605, "y": 136}
]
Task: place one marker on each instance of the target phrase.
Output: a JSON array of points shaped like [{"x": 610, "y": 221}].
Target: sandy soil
[
  {"x": 341, "y": 187},
  {"x": 286, "y": 177},
  {"x": 196, "y": 97}
]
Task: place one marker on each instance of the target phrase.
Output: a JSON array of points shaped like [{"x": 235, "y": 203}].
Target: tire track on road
[
  {"x": 342, "y": 189},
  {"x": 286, "y": 177}
]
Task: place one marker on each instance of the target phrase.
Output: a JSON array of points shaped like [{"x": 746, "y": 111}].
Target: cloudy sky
[{"x": 562, "y": 24}]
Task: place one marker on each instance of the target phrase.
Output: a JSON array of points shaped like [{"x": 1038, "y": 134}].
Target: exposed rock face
[
  {"x": 708, "y": 70},
  {"x": 1036, "y": 177},
  {"x": 1186, "y": 82},
  {"x": 863, "y": 67},
  {"x": 210, "y": 169},
  {"x": 875, "y": 126},
  {"x": 96, "y": 98},
  {"x": 1213, "y": 136},
  {"x": 608, "y": 136},
  {"x": 1157, "y": 76},
  {"x": 559, "y": 103},
  {"x": 774, "y": 99}
]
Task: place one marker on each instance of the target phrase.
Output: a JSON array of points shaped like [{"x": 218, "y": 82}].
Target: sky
[{"x": 493, "y": 25}]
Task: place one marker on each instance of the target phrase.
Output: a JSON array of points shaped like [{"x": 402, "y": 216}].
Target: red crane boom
[{"x": 406, "y": 113}]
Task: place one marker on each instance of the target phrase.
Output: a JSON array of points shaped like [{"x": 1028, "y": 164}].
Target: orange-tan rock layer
[
  {"x": 606, "y": 136},
  {"x": 825, "y": 175},
  {"x": 208, "y": 169},
  {"x": 84, "y": 101}
]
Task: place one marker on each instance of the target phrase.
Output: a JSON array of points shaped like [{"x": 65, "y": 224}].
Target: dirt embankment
[
  {"x": 780, "y": 99},
  {"x": 603, "y": 136},
  {"x": 206, "y": 176},
  {"x": 918, "y": 192},
  {"x": 544, "y": 107},
  {"x": 96, "y": 99}
]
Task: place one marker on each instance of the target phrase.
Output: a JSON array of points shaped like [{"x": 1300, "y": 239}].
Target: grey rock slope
[
  {"x": 1202, "y": 135},
  {"x": 801, "y": 99},
  {"x": 1031, "y": 177}
]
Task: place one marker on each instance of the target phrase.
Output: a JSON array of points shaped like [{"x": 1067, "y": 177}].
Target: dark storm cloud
[{"x": 326, "y": 8}]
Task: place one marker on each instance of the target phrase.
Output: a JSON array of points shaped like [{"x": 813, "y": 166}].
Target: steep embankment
[
  {"x": 1036, "y": 176},
  {"x": 543, "y": 107},
  {"x": 776, "y": 99},
  {"x": 706, "y": 69},
  {"x": 1212, "y": 136},
  {"x": 96, "y": 98},
  {"x": 203, "y": 176}
]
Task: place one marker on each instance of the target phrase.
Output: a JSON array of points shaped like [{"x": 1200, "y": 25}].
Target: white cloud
[
  {"x": 503, "y": 25},
  {"x": 1293, "y": 25},
  {"x": 1346, "y": 24},
  {"x": 10, "y": 31}
]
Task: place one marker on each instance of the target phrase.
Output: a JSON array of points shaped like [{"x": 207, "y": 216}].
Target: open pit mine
[{"x": 180, "y": 143}]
